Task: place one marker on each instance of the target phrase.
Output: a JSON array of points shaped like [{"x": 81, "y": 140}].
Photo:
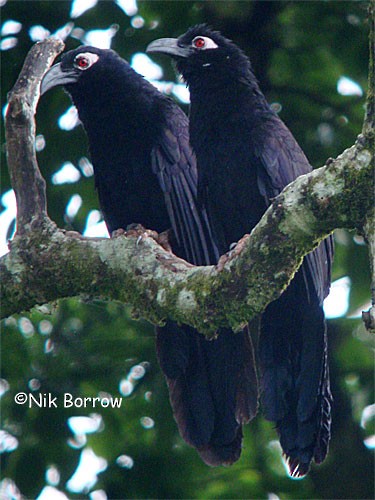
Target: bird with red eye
[
  {"x": 199, "y": 43},
  {"x": 82, "y": 62},
  {"x": 85, "y": 61}
]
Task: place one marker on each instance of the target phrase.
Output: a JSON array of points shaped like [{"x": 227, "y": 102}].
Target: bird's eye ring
[
  {"x": 203, "y": 43},
  {"x": 85, "y": 60}
]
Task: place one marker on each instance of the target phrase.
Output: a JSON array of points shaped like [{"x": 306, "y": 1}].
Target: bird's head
[
  {"x": 202, "y": 53},
  {"x": 80, "y": 67}
]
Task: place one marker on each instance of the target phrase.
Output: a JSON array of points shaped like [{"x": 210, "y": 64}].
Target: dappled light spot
[
  {"x": 10, "y": 322},
  {"x": 64, "y": 31},
  {"x": 7, "y": 219},
  {"x": 26, "y": 327},
  {"x": 34, "y": 384},
  {"x": 368, "y": 414},
  {"x": 95, "y": 225},
  {"x": 129, "y": 7},
  {"x": 49, "y": 492},
  {"x": 272, "y": 496},
  {"x": 138, "y": 371},
  {"x": 77, "y": 441},
  {"x": 40, "y": 143},
  {"x": 4, "y": 386},
  {"x": 86, "y": 425},
  {"x": 10, "y": 27},
  {"x": 181, "y": 92},
  {"x": 125, "y": 387},
  {"x": 125, "y": 461},
  {"x": 343, "y": 120},
  {"x": 98, "y": 495},
  {"x": 45, "y": 327},
  {"x": 73, "y": 206},
  {"x": 147, "y": 422},
  {"x": 69, "y": 120},
  {"x": 143, "y": 65},
  {"x": 49, "y": 346},
  {"x": 38, "y": 33},
  {"x": 353, "y": 19},
  {"x": 8, "y": 488},
  {"x": 325, "y": 134},
  {"x": 85, "y": 476},
  {"x": 79, "y": 7},
  {"x": 52, "y": 475},
  {"x": 177, "y": 89},
  {"x": 86, "y": 166},
  {"x": 276, "y": 107},
  {"x": 5, "y": 109},
  {"x": 67, "y": 174},
  {"x": 164, "y": 87},
  {"x": 8, "y": 442},
  {"x": 359, "y": 240},
  {"x": 153, "y": 24},
  {"x": 337, "y": 302},
  {"x": 8, "y": 43},
  {"x": 137, "y": 22},
  {"x": 370, "y": 442},
  {"x": 342, "y": 237},
  {"x": 148, "y": 396},
  {"x": 101, "y": 39},
  {"x": 104, "y": 395},
  {"x": 347, "y": 86}
]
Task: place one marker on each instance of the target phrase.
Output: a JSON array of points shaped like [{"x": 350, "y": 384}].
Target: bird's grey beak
[
  {"x": 55, "y": 76},
  {"x": 168, "y": 46}
]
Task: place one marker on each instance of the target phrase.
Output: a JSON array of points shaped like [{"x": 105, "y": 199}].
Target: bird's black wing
[
  {"x": 293, "y": 341},
  {"x": 212, "y": 384},
  {"x": 280, "y": 162},
  {"x": 174, "y": 164}
]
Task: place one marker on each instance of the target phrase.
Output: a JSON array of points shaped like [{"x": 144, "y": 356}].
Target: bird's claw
[
  {"x": 139, "y": 231},
  {"x": 118, "y": 232},
  {"x": 162, "y": 238},
  {"x": 234, "y": 250}
]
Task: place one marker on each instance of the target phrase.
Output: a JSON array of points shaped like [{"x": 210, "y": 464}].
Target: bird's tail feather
[
  {"x": 295, "y": 379},
  {"x": 212, "y": 388}
]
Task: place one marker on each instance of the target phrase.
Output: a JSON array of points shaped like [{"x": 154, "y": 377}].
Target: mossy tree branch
[{"x": 46, "y": 263}]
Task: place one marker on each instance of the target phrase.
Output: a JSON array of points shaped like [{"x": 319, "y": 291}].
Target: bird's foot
[
  {"x": 118, "y": 232},
  {"x": 163, "y": 240},
  {"x": 234, "y": 250},
  {"x": 140, "y": 232}
]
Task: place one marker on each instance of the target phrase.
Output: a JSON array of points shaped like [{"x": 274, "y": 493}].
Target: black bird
[
  {"x": 145, "y": 173},
  {"x": 245, "y": 157}
]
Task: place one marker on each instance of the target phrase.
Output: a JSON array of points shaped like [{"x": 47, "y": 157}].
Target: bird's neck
[
  {"x": 239, "y": 96},
  {"x": 119, "y": 114}
]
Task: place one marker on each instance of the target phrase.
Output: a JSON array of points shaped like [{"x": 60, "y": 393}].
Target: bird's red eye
[
  {"x": 199, "y": 43},
  {"x": 82, "y": 62}
]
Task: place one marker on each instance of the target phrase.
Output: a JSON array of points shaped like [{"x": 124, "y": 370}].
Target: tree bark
[{"x": 46, "y": 263}]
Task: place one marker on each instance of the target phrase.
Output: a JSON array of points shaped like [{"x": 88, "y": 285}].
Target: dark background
[{"x": 299, "y": 51}]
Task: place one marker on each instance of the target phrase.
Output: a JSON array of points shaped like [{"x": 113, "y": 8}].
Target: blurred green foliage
[{"x": 299, "y": 50}]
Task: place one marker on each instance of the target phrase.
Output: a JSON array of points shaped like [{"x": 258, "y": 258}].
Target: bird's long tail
[
  {"x": 212, "y": 388},
  {"x": 294, "y": 374}
]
